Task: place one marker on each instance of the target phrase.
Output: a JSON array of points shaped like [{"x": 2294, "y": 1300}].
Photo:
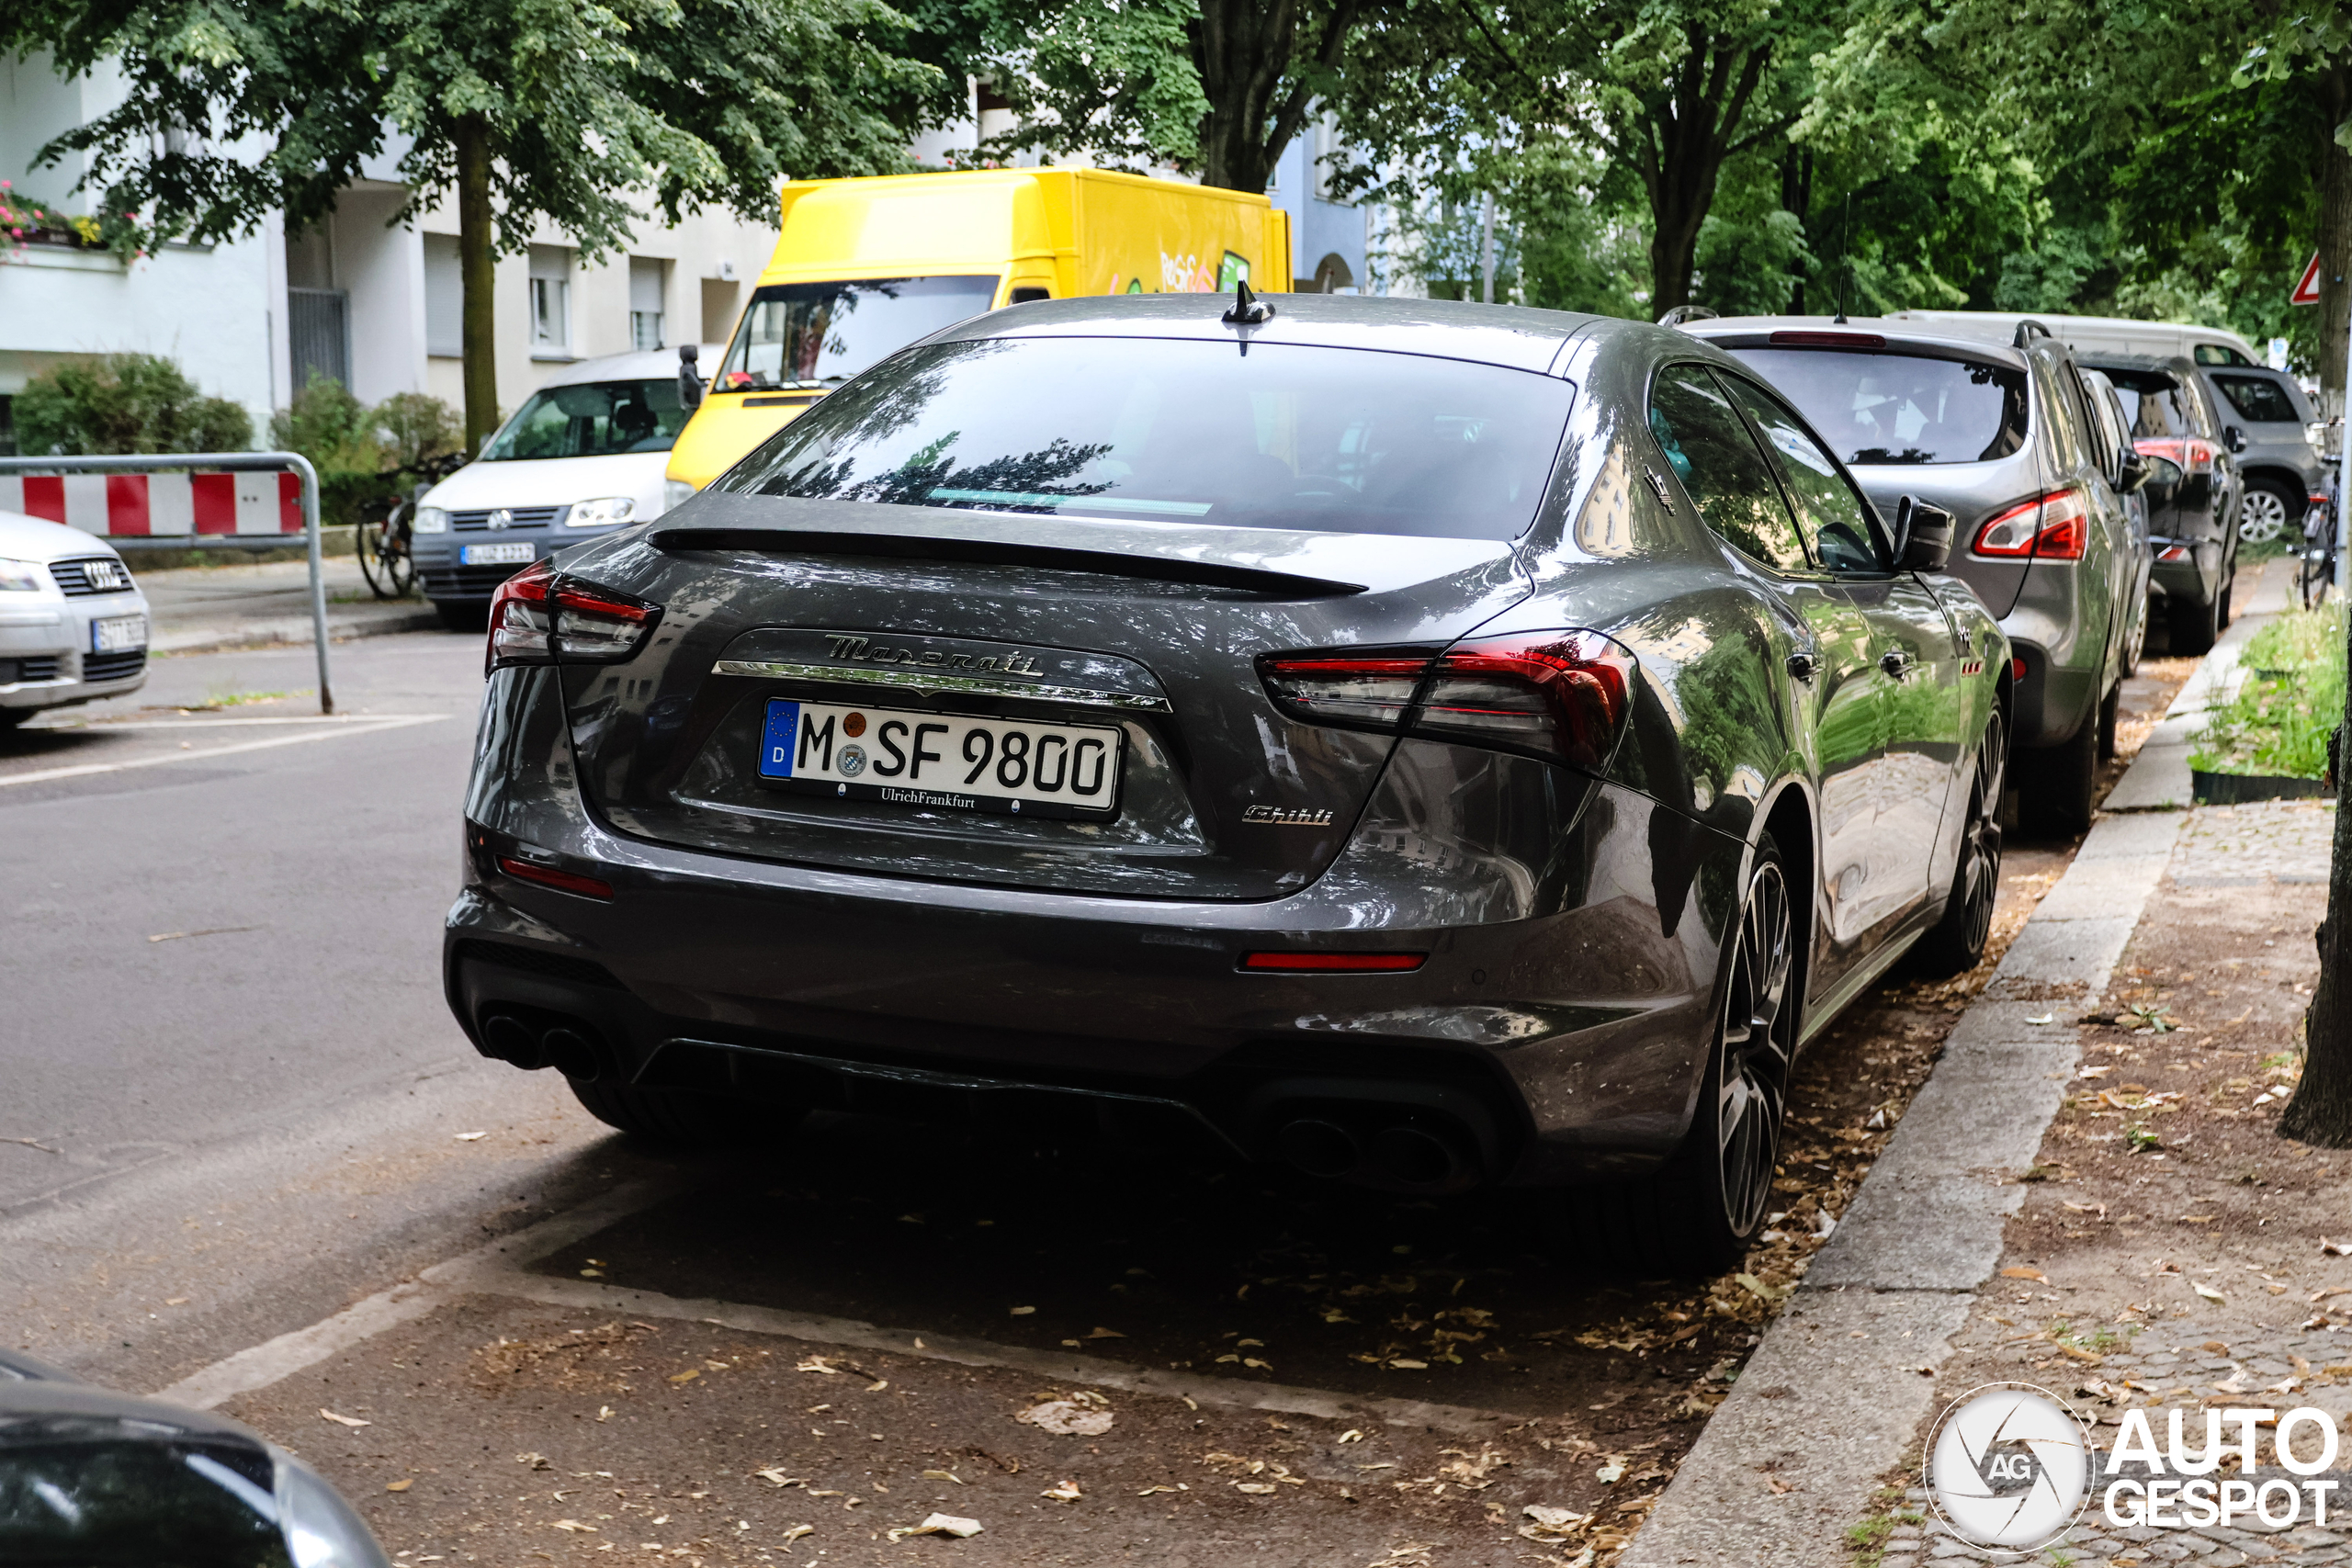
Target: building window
[
  {"x": 646, "y": 279},
  {"x": 550, "y": 300},
  {"x": 445, "y": 298}
]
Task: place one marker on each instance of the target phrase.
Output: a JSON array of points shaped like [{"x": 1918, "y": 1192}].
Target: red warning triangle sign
[{"x": 2307, "y": 291}]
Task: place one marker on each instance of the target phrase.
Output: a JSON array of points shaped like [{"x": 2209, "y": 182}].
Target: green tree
[
  {"x": 125, "y": 403},
  {"x": 529, "y": 111}
]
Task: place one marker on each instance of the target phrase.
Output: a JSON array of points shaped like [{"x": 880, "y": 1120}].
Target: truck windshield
[
  {"x": 1332, "y": 440},
  {"x": 820, "y": 334},
  {"x": 591, "y": 419},
  {"x": 1900, "y": 408}
]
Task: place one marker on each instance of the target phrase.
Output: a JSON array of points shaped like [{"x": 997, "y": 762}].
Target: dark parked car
[
  {"x": 2283, "y": 474},
  {"x": 1429, "y": 743},
  {"x": 1999, "y": 435},
  {"x": 94, "y": 1479},
  {"x": 2193, "y": 518}
]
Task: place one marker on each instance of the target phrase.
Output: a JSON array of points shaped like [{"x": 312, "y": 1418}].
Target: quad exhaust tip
[
  {"x": 1396, "y": 1157},
  {"x": 569, "y": 1050}
]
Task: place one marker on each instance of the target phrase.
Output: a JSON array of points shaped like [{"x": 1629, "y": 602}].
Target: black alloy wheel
[
  {"x": 1757, "y": 1046},
  {"x": 1956, "y": 944},
  {"x": 1702, "y": 1209}
]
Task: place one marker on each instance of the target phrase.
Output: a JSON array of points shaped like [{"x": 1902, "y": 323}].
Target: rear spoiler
[{"x": 996, "y": 552}]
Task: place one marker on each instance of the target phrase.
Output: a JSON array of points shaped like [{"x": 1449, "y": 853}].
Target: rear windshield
[
  {"x": 2258, "y": 400},
  {"x": 592, "y": 418},
  {"x": 1286, "y": 436},
  {"x": 2155, "y": 404},
  {"x": 1900, "y": 408},
  {"x": 820, "y": 334}
]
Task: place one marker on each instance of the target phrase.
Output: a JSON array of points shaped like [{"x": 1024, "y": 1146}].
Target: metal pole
[
  {"x": 2344, "y": 480},
  {"x": 156, "y": 462},
  {"x": 1487, "y": 248}
]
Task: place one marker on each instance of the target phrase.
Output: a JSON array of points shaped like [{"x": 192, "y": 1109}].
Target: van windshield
[
  {"x": 592, "y": 418},
  {"x": 820, "y": 334},
  {"x": 1900, "y": 408},
  {"x": 1330, "y": 440}
]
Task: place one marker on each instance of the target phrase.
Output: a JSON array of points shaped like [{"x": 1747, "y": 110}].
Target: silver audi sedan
[{"x": 72, "y": 624}]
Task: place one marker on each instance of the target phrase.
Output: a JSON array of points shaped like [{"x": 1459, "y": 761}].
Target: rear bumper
[
  {"x": 2059, "y": 688},
  {"x": 1559, "y": 1016}
]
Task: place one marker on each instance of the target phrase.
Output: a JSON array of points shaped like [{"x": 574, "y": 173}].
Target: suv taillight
[
  {"x": 1561, "y": 696},
  {"x": 2049, "y": 527},
  {"x": 540, "y": 619},
  {"x": 2194, "y": 454}
]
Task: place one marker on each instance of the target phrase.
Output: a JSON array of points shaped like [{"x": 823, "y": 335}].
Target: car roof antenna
[{"x": 1248, "y": 308}]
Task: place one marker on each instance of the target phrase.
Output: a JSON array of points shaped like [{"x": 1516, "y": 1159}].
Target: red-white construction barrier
[{"x": 157, "y": 506}]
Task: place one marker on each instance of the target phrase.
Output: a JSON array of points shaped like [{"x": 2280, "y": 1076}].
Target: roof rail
[
  {"x": 1682, "y": 313},
  {"x": 2026, "y": 331}
]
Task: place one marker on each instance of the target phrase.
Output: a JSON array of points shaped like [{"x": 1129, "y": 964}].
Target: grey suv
[
  {"x": 2002, "y": 437},
  {"x": 2193, "y": 501},
  {"x": 2282, "y": 468}
]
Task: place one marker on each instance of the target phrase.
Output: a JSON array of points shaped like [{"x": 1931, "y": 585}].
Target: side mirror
[
  {"x": 2130, "y": 473},
  {"x": 689, "y": 378},
  {"x": 2234, "y": 438},
  {"x": 1922, "y": 536}
]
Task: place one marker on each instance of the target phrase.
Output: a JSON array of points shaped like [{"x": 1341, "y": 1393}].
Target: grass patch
[
  {"x": 2291, "y": 700},
  {"x": 216, "y": 701}
]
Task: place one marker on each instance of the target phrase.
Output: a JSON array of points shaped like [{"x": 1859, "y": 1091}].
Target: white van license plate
[
  {"x": 495, "y": 555},
  {"x": 940, "y": 762},
  {"x": 118, "y": 634}
]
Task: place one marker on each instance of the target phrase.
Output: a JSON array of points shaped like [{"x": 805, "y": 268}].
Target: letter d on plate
[{"x": 779, "y": 734}]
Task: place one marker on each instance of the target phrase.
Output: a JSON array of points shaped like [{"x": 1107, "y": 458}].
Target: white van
[
  {"x": 2103, "y": 334},
  {"x": 583, "y": 457}
]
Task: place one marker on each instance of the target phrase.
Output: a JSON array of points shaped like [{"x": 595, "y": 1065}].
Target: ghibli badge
[{"x": 1287, "y": 817}]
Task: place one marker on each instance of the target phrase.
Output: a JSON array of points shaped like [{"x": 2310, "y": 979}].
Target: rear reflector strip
[
  {"x": 1335, "y": 963},
  {"x": 549, "y": 876},
  {"x": 2016, "y": 668}
]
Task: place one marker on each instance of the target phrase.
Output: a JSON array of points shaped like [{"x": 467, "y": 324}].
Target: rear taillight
[
  {"x": 2193, "y": 454},
  {"x": 2049, "y": 527},
  {"x": 1561, "y": 696},
  {"x": 539, "y": 618}
]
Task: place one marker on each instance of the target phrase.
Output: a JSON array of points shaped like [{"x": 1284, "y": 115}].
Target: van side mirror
[
  {"x": 2234, "y": 438},
  {"x": 689, "y": 378},
  {"x": 1922, "y": 536},
  {"x": 2130, "y": 473}
]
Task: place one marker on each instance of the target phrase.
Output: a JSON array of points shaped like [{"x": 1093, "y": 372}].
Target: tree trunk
[
  {"x": 1796, "y": 197},
  {"x": 1686, "y": 140},
  {"x": 477, "y": 274},
  {"x": 1241, "y": 48},
  {"x": 2321, "y": 1112}
]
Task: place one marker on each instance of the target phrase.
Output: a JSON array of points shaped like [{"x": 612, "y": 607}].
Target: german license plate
[
  {"x": 940, "y": 762},
  {"x": 495, "y": 555},
  {"x": 117, "y": 634}
]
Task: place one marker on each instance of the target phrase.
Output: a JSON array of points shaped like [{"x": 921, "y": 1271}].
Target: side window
[
  {"x": 1707, "y": 444},
  {"x": 1831, "y": 514},
  {"x": 2079, "y": 396},
  {"x": 2065, "y": 416}
]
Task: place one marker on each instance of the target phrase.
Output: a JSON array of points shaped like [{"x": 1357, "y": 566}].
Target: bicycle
[
  {"x": 2316, "y": 572},
  {"x": 385, "y": 557}
]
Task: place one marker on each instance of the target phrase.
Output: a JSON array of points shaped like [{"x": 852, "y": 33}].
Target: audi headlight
[
  {"x": 321, "y": 1530},
  {"x": 675, "y": 492},
  {"x": 20, "y": 576},
  {"x": 431, "y": 520},
  {"x": 601, "y": 513}
]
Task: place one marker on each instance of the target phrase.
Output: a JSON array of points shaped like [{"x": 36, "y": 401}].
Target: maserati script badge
[{"x": 1287, "y": 817}]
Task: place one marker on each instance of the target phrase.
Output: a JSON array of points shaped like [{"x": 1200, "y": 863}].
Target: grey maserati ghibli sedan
[{"x": 1430, "y": 744}]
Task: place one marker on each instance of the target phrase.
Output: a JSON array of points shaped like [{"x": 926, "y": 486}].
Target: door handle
[
  {"x": 1804, "y": 667},
  {"x": 1896, "y": 663}
]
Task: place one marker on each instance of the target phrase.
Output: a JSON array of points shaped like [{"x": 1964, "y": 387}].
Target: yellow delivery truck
[{"x": 866, "y": 266}]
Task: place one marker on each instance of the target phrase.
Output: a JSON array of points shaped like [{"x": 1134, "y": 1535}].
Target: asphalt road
[{"x": 230, "y": 1079}]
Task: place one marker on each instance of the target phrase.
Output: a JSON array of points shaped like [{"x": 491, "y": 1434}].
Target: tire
[
  {"x": 675, "y": 1116},
  {"x": 2135, "y": 641},
  {"x": 2222, "y": 604},
  {"x": 2054, "y": 784},
  {"x": 11, "y": 717},
  {"x": 1956, "y": 942},
  {"x": 1703, "y": 1208},
  {"x": 463, "y": 616},
  {"x": 2196, "y": 627},
  {"x": 2269, "y": 511},
  {"x": 2109, "y": 710},
  {"x": 2316, "y": 576}
]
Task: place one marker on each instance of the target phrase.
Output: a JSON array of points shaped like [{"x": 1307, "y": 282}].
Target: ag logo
[{"x": 2008, "y": 1468}]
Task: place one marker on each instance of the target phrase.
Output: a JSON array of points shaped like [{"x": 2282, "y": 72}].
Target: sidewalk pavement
[{"x": 203, "y": 609}]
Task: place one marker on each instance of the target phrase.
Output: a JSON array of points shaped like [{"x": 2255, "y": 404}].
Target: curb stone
[
  {"x": 274, "y": 633},
  {"x": 1845, "y": 1376}
]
